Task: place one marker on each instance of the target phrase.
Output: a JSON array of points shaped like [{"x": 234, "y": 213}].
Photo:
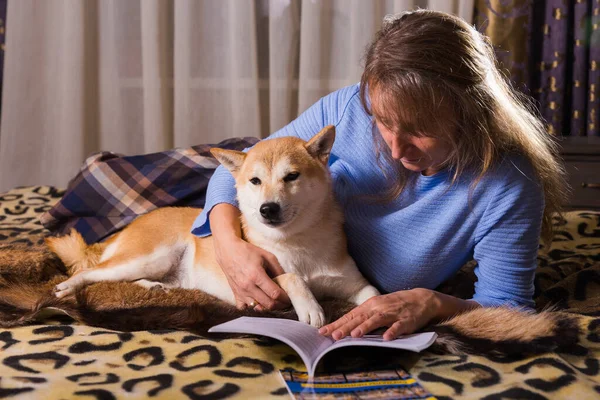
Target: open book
[{"x": 310, "y": 345}]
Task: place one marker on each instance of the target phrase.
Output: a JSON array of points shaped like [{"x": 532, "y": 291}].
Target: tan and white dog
[{"x": 288, "y": 208}]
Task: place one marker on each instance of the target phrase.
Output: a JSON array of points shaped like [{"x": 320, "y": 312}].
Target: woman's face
[{"x": 422, "y": 154}]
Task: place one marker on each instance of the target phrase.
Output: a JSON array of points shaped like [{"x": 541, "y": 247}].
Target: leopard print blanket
[{"x": 62, "y": 359}]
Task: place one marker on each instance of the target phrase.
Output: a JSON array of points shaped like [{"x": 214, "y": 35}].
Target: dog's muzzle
[{"x": 271, "y": 212}]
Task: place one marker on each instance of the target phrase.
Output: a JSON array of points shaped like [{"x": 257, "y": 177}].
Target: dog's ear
[
  {"x": 320, "y": 146},
  {"x": 231, "y": 159}
]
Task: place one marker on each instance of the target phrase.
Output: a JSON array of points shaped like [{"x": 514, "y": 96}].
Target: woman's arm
[
  {"x": 447, "y": 306},
  {"x": 507, "y": 238}
]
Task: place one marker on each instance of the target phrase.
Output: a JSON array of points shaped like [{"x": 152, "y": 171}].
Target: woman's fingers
[
  {"x": 327, "y": 329},
  {"x": 246, "y": 286},
  {"x": 393, "y": 331},
  {"x": 343, "y": 326},
  {"x": 272, "y": 290},
  {"x": 257, "y": 296},
  {"x": 345, "y": 329},
  {"x": 367, "y": 326},
  {"x": 239, "y": 304},
  {"x": 272, "y": 265},
  {"x": 256, "y": 283},
  {"x": 401, "y": 327}
]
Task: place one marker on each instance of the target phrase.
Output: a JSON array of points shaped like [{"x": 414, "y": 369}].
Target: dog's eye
[
  {"x": 292, "y": 176},
  {"x": 255, "y": 181}
]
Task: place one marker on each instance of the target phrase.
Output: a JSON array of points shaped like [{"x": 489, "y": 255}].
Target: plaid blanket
[{"x": 111, "y": 190}]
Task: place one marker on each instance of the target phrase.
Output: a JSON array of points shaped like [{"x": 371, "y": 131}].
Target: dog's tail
[
  {"x": 507, "y": 333},
  {"x": 74, "y": 252}
]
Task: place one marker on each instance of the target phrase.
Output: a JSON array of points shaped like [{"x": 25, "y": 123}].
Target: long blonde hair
[{"x": 433, "y": 72}]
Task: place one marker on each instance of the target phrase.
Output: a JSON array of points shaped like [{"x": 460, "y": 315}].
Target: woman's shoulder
[
  {"x": 513, "y": 178},
  {"x": 513, "y": 168},
  {"x": 341, "y": 103},
  {"x": 343, "y": 95}
]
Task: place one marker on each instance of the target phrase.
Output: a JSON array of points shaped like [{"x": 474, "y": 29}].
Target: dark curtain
[
  {"x": 2, "y": 35},
  {"x": 551, "y": 50}
]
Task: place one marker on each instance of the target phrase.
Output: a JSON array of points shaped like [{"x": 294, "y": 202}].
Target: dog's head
[{"x": 281, "y": 182}]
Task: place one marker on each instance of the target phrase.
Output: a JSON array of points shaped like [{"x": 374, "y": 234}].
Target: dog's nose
[{"x": 270, "y": 210}]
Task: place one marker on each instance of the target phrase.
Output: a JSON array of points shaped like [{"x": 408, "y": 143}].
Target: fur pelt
[
  {"x": 498, "y": 332},
  {"x": 31, "y": 264},
  {"x": 125, "y": 306}
]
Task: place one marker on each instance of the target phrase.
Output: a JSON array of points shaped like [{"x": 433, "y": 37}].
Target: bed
[{"x": 63, "y": 359}]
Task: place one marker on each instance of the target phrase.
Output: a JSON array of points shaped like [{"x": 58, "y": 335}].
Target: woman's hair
[{"x": 428, "y": 72}]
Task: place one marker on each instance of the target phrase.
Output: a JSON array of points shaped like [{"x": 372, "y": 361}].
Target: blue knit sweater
[{"x": 433, "y": 228}]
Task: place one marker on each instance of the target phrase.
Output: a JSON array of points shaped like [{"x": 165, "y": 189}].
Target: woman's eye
[
  {"x": 255, "y": 181},
  {"x": 292, "y": 176}
]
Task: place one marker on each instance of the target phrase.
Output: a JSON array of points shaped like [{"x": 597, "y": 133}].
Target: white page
[
  {"x": 312, "y": 346},
  {"x": 415, "y": 342},
  {"x": 303, "y": 338}
]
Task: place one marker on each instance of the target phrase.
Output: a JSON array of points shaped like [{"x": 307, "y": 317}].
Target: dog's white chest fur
[{"x": 305, "y": 259}]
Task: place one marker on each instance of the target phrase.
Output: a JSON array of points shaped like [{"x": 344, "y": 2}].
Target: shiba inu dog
[{"x": 288, "y": 208}]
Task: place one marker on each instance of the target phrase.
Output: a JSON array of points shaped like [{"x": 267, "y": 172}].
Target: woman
[{"x": 436, "y": 161}]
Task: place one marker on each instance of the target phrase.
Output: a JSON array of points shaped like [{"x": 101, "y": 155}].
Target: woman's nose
[{"x": 398, "y": 148}]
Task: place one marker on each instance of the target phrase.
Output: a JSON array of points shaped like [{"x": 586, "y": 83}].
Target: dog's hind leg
[
  {"x": 151, "y": 285},
  {"x": 120, "y": 268}
]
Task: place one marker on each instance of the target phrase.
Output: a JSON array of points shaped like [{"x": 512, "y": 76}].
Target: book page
[
  {"x": 415, "y": 342},
  {"x": 303, "y": 338},
  {"x": 309, "y": 344}
]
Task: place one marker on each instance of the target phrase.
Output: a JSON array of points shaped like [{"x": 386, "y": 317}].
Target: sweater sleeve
[
  {"x": 507, "y": 240},
  {"x": 326, "y": 111}
]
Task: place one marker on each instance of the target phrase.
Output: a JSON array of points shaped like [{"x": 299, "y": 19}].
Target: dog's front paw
[{"x": 311, "y": 313}]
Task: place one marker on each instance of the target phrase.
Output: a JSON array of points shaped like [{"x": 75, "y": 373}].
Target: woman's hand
[
  {"x": 403, "y": 312},
  {"x": 246, "y": 266}
]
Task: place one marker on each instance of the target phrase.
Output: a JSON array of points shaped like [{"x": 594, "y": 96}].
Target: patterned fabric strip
[{"x": 111, "y": 190}]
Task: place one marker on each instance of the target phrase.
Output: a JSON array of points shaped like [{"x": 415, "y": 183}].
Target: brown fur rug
[{"x": 29, "y": 274}]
